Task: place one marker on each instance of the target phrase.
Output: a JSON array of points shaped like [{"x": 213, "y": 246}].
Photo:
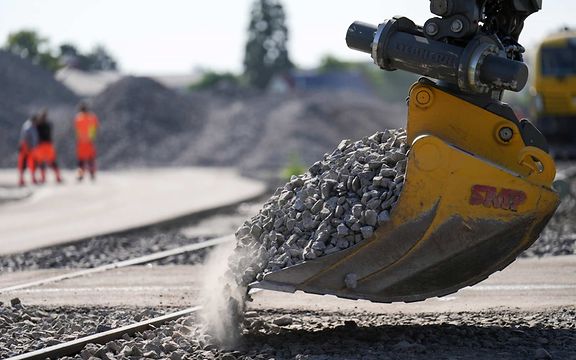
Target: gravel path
[{"x": 498, "y": 334}]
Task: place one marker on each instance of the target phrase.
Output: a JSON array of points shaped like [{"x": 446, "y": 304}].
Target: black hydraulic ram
[{"x": 477, "y": 66}]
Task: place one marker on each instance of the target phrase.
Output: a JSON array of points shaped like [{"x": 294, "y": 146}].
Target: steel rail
[
  {"x": 125, "y": 263},
  {"x": 75, "y": 346}
]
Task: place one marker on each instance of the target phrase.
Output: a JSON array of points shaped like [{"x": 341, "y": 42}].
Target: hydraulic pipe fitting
[{"x": 480, "y": 66}]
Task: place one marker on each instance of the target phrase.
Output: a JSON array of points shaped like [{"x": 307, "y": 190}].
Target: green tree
[
  {"x": 266, "y": 52},
  {"x": 100, "y": 59},
  {"x": 29, "y": 44},
  {"x": 212, "y": 79},
  {"x": 49, "y": 61},
  {"x": 97, "y": 60},
  {"x": 25, "y": 43},
  {"x": 331, "y": 63}
]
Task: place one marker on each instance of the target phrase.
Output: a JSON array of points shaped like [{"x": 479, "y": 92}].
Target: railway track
[
  {"x": 75, "y": 346},
  {"x": 122, "y": 264}
]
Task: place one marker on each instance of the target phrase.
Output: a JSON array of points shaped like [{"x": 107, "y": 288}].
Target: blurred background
[{"x": 262, "y": 85}]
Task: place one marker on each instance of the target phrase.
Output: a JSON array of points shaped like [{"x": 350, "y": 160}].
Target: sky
[{"x": 164, "y": 37}]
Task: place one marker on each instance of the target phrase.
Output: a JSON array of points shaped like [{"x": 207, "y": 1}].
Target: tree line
[
  {"x": 31, "y": 45},
  {"x": 266, "y": 54},
  {"x": 266, "y": 51}
]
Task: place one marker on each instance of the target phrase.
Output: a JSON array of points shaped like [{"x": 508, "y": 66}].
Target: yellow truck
[{"x": 555, "y": 91}]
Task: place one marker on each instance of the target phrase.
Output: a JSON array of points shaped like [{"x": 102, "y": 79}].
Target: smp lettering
[{"x": 491, "y": 197}]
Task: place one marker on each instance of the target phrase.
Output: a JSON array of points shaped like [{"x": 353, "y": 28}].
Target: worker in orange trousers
[
  {"x": 45, "y": 153},
  {"x": 28, "y": 141},
  {"x": 86, "y": 124}
]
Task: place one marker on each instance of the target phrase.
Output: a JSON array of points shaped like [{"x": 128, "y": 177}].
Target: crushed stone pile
[
  {"x": 340, "y": 202},
  {"x": 26, "y": 88},
  {"x": 260, "y": 133},
  {"x": 25, "y": 84},
  {"x": 144, "y": 123}
]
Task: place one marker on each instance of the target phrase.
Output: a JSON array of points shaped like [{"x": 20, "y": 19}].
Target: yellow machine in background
[{"x": 554, "y": 92}]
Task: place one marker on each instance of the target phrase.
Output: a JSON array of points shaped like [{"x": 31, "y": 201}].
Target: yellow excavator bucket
[{"x": 475, "y": 196}]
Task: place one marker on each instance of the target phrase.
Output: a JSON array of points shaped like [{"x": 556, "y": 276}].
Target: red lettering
[
  {"x": 490, "y": 197},
  {"x": 518, "y": 198}
]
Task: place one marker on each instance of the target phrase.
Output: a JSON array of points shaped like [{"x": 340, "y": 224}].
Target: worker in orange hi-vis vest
[{"x": 86, "y": 124}]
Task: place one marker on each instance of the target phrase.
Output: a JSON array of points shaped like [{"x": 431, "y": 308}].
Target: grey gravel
[
  {"x": 104, "y": 250},
  {"x": 338, "y": 203},
  {"x": 495, "y": 334},
  {"x": 559, "y": 236},
  {"x": 25, "y": 329},
  {"x": 107, "y": 249},
  {"x": 283, "y": 321}
]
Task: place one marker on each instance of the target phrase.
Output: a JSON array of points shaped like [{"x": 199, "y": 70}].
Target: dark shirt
[{"x": 44, "y": 132}]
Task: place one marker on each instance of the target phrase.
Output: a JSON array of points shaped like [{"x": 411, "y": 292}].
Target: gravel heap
[
  {"x": 337, "y": 204},
  {"x": 303, "y": 335},
  {"x": 260, "y": 133},
  {"x": 25, "y": 89},
  {"x": 25, "y": 83},
  {"x": 144, "y": 123}
]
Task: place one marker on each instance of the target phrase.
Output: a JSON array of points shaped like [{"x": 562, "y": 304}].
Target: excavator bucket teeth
[{"x": 460, "y": 217}]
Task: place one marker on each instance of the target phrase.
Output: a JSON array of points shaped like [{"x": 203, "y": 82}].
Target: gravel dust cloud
[{"x": 221, "y": 297}]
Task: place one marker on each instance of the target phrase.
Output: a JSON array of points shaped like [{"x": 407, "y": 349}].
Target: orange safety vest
[{"x": 86, "y": 124}]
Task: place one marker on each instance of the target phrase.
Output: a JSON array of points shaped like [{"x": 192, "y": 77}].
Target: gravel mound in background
[
  {"x": 337, "y": 204},
  {"x": 24, "y": 84},
  {"x": 144, "y": 123},
  {"x": 26, "y": 88},
  {"x": 260, "y": 133}
]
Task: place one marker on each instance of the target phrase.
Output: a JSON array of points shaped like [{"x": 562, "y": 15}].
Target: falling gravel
[{"x": 337, "y": 204}]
